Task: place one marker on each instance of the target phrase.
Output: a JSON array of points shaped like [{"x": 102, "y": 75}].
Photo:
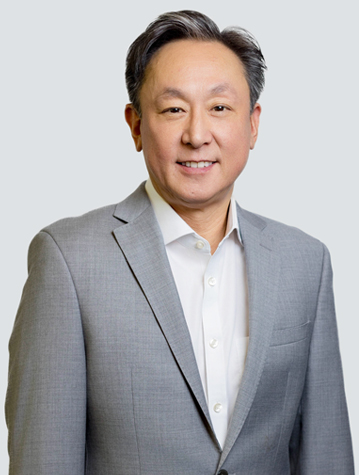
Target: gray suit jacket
[{"x": 103, "y": 378}]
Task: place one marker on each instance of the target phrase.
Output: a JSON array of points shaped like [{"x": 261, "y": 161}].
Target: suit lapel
[
  {"x": 149, "y": 263},
  {"x": 263, "y": 264}
]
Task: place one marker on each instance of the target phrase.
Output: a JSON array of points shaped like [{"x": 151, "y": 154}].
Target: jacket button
[{"x": 223, "y": 472}]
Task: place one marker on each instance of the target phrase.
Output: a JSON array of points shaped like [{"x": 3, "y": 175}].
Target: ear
[
  {"x": 134, "y": 122},
  {"x": 255, "y": 124}
]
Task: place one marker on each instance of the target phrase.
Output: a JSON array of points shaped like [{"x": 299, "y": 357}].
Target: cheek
[
  {"x": 156, "y": 141},
  {"x": 236, "y": 140}
]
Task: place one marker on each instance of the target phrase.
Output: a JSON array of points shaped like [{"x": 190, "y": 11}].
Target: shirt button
[
  {"x": 213, "y": 343},
  {"x": 217, "y": 407},
  {"x": 212, "y": 281},
  {"x": 199, "y": 244}
]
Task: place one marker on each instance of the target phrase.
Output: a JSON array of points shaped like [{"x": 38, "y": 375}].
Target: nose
[{"x": 197, "y": 130}]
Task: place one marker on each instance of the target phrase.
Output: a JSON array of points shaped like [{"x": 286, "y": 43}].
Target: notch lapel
[
  {"x": 263, "y": 265},
  {"x": 149, "y": 263}
]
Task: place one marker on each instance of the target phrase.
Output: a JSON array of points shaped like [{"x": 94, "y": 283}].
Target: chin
[{"x": 197, "y": 199}]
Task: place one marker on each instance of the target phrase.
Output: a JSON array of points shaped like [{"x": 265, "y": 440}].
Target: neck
[{"x": 210, "y": 223}]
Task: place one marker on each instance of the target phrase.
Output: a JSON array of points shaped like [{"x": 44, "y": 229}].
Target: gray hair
[{"x": 188, "y": 24}]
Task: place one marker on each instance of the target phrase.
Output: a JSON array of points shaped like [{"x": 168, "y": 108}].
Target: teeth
[{"x": 196, "y": 164}]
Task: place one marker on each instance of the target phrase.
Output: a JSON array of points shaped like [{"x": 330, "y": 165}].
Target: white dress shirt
[{"x": 213, "y": 293}]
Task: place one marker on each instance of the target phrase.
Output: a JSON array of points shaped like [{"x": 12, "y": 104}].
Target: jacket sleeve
[
  {"x": 46, "y": 397},
  {"x": 321, "y": 441}
]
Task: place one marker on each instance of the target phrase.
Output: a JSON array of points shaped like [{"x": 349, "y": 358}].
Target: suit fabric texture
[{"x": 103, "y": 378}]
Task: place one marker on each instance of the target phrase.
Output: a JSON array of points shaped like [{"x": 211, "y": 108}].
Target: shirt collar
[{"x": 174, "y": 227}]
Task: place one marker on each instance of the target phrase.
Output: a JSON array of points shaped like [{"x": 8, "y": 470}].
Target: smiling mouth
[{"x": 196, "y": 164}]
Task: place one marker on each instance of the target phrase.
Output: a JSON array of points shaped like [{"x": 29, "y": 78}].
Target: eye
[
  {"x": 173, "y": 110},
  {"x": 220, "y": 108}
]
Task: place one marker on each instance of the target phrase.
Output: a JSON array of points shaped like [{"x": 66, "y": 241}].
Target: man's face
[{"x": 196, "y": 128}]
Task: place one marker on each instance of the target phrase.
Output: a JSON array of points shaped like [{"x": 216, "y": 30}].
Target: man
[{"x": 176, "y": 332}]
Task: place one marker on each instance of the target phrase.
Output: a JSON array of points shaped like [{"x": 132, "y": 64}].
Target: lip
[{"x": 196, "y": 170}]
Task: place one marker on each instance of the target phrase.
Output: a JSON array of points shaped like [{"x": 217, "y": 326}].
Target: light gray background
[{"x": 65, "y": 147}]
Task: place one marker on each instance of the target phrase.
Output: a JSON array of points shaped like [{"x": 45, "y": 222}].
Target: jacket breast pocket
[{"x": 286, "y": 336}]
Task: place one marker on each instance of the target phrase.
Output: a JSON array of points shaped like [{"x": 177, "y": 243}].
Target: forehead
[{"x": 194, "y": 62}]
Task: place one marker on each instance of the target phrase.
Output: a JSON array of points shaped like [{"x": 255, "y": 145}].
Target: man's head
[
  {"x": 193, "y": 25},
  {"x": 194, "y": 111}
]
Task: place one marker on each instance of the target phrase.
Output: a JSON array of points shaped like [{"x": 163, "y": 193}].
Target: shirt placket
[{"x": 214, "y": 351}]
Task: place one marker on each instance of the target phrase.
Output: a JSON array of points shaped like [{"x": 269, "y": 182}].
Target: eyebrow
[
  {"x": 222, "y": 87},
  {"x": 171, "y": 92},
  {"x": 215, "y": 90}
]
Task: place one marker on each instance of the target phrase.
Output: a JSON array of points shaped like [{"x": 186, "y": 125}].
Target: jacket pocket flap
[{"x": 288, "y": 335}]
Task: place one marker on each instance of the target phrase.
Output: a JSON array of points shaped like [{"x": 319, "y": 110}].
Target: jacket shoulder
[
  {"x": 102, "y": 220},
  {"x": 89, "y": 222},
  {"x": 283, "y": 234}
]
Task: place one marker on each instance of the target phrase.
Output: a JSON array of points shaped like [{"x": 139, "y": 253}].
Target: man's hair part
[{"x": 189, "y": 24}]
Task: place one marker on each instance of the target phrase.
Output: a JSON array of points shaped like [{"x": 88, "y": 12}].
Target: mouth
[{"x": 196, "y": 164}]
